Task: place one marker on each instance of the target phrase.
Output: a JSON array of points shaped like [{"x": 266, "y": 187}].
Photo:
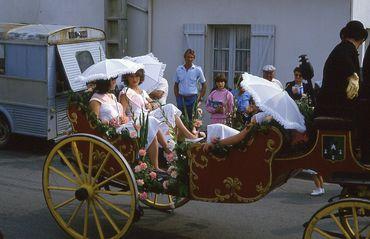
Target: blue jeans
[{"x": 186, "y": 103}]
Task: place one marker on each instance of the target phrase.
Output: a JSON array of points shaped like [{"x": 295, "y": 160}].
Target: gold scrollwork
[
  {"x": 98, "y": 156},
  {"x": 221, "y": 198},
  {"x": 203, "y": 163},
  {"x": 73, "y": 118},
  {"x": 233, "y": 185}
]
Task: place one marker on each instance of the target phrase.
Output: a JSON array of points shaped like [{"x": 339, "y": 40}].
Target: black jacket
[
  {"x": 288, "y": 88},
  {"x": 365, "y": 82},
  {"x": 332, "y": 100}
]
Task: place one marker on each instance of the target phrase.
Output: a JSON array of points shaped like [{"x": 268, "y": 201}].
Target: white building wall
[
  {"x": 302, "y": 26},
  {"x": 67, "y": 12},
  {"x": 361, "y": 11}
]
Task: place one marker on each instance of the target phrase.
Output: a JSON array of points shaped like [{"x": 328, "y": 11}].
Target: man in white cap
[
  {"x": 160, "y": 93},
  {"x": 269, "y": 74}
]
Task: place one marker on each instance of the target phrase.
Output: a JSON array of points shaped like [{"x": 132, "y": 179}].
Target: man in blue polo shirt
[{"x": 186, "y": 79}]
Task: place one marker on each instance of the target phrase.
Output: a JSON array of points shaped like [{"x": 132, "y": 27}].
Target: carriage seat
[{"x": 332, "y": 123}]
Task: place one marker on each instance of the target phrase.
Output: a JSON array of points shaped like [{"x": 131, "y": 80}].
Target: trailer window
[
  {"x": 2, "y": 59},
  {"x": 84, "y": 59}
]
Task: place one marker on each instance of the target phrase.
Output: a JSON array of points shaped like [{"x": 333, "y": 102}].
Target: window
[
  {"x": 84, "y": 60},
  {"x": 2, "y": 59},
  {"x": 231, "y": 50}
]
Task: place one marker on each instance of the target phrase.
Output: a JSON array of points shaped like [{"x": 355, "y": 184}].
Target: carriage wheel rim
[
  {"x": 329, "y": 210},
  {"x": 94, "y": 201}
]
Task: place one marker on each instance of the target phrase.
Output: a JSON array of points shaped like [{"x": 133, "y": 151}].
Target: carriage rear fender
[{"x": 5, "y": 113}]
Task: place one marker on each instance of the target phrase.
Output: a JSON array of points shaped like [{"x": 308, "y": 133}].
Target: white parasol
[
  {"x": 274, "y": 101},
  {"x": 109, "y": 68},
  {"x": 153, "y": 68}
]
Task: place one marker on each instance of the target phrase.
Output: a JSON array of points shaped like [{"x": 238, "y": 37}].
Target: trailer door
[{"x": 76, "y": 58}]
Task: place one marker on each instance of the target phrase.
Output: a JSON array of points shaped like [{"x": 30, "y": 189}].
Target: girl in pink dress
[{"x": 220, "y": 102}]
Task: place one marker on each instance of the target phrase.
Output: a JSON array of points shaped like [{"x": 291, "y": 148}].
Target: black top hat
[{"x": 355, "y": 30}]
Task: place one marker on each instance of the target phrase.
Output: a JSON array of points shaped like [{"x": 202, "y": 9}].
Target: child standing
[{"x": 220, "y": 101}]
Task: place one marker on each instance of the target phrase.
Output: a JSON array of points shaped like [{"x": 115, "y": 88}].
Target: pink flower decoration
[
  {"x": 153, "y": 175},
  {"x": 198, "y": 123},
  {"x": 165, "y": 184},
  {"x": 143, "y": 166},
  {"x": 170, "y": 157},
  {"x": 137, "y": 169},
  {"x": 170, "y": 169},
  {"x": 142, "y": 152},
  {"x": 133, "y": 134},
  {"x": 114, "y": 122},
  {"x": 214, "y": 140},
  {"x": 143, "y": 196},
  {"x": 140, "y": 182},
  {"x": 174, "y": 174},
  {"x": 137, "y": 127}
]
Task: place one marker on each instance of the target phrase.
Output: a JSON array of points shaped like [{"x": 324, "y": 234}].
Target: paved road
[{"x": 280, "y": 214}]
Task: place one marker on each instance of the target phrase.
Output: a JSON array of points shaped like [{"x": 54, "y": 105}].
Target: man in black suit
[
  {"x": 339, "y": 91},
  {"x": 297, "y": 88},
  {"x": 364, "y": 109}
]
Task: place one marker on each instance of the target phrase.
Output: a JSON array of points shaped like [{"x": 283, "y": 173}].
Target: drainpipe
[{"x": 150, "y": 25}]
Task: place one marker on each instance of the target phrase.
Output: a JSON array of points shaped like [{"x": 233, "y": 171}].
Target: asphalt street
[{"x": 281, "y": 214}]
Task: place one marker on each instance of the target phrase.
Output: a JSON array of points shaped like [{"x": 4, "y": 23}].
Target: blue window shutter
[
  {"x": 195, "y": 39},
  {"x": 262, "y": 47}
]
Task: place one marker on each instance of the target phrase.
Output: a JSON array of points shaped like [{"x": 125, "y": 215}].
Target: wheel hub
[{"x": 84, "y": 192}]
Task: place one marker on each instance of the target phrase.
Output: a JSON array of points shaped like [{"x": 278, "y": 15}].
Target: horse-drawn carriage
[{"x": 91, "y": 189}]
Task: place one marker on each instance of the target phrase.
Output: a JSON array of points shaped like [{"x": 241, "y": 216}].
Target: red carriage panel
[{"x": 243, "y": 176}]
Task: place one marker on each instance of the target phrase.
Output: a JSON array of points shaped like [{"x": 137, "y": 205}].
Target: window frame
[
  {"x": 232, "y": 51},
  {"x": 78, "y": 53}
]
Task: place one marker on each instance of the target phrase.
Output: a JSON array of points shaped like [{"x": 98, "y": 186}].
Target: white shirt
[
  {"x": 278, "y": 83},
  {"x": 163, "y": 86}
]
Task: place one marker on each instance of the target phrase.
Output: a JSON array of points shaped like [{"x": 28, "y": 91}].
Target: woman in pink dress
[{"x": 220, "y": 102}]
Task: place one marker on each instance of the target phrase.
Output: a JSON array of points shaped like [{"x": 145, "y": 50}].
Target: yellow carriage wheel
[
  {"x": 347, "y": 218},
  {"x": 89, "y": 188},
  {"x": 164, "y": 201}
]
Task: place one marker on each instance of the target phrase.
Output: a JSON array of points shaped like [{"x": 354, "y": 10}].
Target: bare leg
[
  {"x": 153, "y": 152},
  {"x": 316, "y": 180},
  {"x": 162, "y": 141},
  {"x": 321, "y": 181},
  {"x": 182, "y": 129},
  {"x": 235, "y": 138}
]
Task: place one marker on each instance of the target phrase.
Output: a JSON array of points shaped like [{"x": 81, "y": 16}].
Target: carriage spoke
[
  {"x": 106, "y": 214},
  {"x": 355, "y": 222},
  {"x": 60, "y": 173},
  {"x": 91, "y": 150},
  {"x": 78, "y": 158},
  {"x": 69, "y": 165},
  {"x": 97, "y": 222},
  {"x": 64, "y": 203},
  {"x": 74, "y": 213},
  {"x": 57, "y": 188},
  {"x": 345, "y": 233},
  {"x": 322, "y": 233},
  {"x": 113, "y": 192},
  {"x": 86, "y": 219},
  {"x": 108, "y": 179},
  {"x": 113, "y": 206},
  {"x": 170, "y": 199},
  {"x": 155, "y": 200},
  {"x": 101, "y": 166}
]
